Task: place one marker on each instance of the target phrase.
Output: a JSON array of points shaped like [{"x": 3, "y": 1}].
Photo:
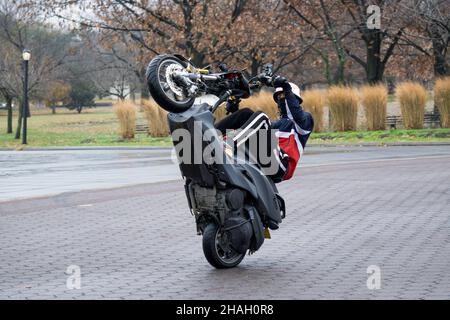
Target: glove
[
  {"x": 223, "y": 67},
  {"x": 232, "y": 106},
  {"x": 279, "y": 81},
  {"x": 264, "y": 79}
]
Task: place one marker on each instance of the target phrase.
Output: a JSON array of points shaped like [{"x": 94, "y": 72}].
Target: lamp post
[{"x": 26, "y": 55}]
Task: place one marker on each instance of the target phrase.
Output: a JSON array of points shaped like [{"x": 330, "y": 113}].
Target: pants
[
  {"x": 240, "y": 119},
  {"x": 249, "y": 124}
]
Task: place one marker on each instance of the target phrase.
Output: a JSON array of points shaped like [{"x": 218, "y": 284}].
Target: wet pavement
[
  {"x": 349, "y": 211},
  {"x": 26, "y": 174}
]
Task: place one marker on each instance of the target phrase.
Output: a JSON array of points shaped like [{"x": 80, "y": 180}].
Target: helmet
[{"x": 295, "y": 91}]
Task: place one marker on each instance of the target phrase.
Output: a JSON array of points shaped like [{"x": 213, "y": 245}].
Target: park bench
[
  {"x": 431, "y": 119},
  {"x": 141, "y": 128}
]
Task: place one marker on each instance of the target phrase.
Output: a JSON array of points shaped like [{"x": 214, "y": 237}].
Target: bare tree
[
  {"x": 324, "y": 18},
  {"x": 380, "y": 41},
  {"x": 436, "y": 18},
  {"x": 5, "y": 90},
  {"x": 331, "y": 34},
  {"x": 241, "y": 32},
  {"x": 19, "y": 30}
]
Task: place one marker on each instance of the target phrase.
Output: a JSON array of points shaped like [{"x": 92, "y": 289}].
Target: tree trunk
[
  {"x": 53, "y": 109},
  {"x": 327, "y": 71},
  {"x": 440, "y": 47},
  {"x": 375, "y": 67},
  {"x": 145, "y": 95},
  {"x": 19, "y": 121},
  {"x": 198, "y": 58},
  {"x": 326, "y": 68},
  {"x": 441, "y": 68},
  {"x": 339, "y": 76},
  {"x": 9, "y": 120},
  {"x": 255, "y": 66}
]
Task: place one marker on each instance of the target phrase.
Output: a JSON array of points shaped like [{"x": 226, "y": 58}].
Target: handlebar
[{"x": 191, "y": 80}]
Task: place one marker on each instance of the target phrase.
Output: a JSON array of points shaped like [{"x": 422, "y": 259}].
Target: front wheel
[
  {"x": 163, "y": 88},
  {"x": 217, "y": 248}
]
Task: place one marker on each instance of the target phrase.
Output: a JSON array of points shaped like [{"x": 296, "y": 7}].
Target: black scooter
[{"x": 234, "y": 204}]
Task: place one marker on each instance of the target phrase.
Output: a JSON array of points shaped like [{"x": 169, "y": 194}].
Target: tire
[
  {"x": 210, "y": 249},
  {"x": 156, "y": 87}
]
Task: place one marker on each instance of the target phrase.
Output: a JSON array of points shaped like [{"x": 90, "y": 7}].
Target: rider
[{"x": 294, "y": 125}]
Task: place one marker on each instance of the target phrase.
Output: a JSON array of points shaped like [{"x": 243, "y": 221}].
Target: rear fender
[
  {"x": 258, "y": 228},
  {"x": 183, "y": 59},
  {"x": 266, "y": 199},
  {"x": 204, "y": 219}
]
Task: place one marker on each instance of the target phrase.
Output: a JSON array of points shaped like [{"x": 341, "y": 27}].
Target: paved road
[
  {"x": 347, "y": 210},
  {"x": 40, "y": 173},
  {"x": 27, "y": 174}
]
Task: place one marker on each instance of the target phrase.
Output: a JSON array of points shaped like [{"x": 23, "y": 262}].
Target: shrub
[
  {"x": 343, "y": 104},
  {"x": 82, "y": 94},
  {"x": 412, "y": 98},
  {"x": 220, "y": 112},
  {"x": 57, "y": 92},
  {"x": 126, "y": 113},
  {"x": 442, "y": 100},
  {"x": 374, "y": 101},
  {"x": 156, "y": 119},
  {"x": 314, "y": 102},
  {"x": 262, "y": 101}
]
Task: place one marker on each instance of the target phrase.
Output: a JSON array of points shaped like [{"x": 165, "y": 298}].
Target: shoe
[{"x": 273, "y": 225}]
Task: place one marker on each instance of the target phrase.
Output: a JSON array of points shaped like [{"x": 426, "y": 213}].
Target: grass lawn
[
  {"x": 93, "y": 127},
  {"x": 388, "y": 136},
  {"x": 99, "y": 127}
]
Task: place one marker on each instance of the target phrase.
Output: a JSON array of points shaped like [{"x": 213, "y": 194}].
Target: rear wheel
[
  {"x": 166, "y": 92},
  {"x": 217, "y": 248}
]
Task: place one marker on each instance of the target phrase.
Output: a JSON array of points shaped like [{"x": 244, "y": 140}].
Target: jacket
[{"x": 294, "y": 128}]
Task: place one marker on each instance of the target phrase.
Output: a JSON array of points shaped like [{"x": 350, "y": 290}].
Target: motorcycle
[{"x": 235, "y": 204}]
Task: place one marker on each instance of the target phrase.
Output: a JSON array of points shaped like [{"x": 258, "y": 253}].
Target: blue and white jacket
[{"x": 295, "y": 125}]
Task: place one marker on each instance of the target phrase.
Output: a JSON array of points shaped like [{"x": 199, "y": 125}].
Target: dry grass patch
[
  {"x": 442, "y": 100},
  {"x": 412, "y": 97},
  {"x": 374, "y": 101},
  {"x": 343, "y": 104},
  {"x": 220, "y": 112},
  {"x": 126, "y": 113},
  {"x": 314, "y": 103},
  {"x": 156, "y": 119},
  {"x": 262, "y": 101}
]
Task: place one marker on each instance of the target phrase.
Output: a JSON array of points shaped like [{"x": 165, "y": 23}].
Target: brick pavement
[{"x": 139, "y": 242}]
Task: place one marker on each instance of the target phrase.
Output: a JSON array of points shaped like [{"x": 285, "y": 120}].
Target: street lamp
[{"x": 26, "y": 56}]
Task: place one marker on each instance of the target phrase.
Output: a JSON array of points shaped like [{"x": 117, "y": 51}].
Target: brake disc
[{"x": 172, "y": 85}]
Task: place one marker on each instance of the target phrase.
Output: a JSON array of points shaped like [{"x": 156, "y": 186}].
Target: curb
[
  {"x": 320, "y": 145},
  {"x": 86, "y": 148},
  {"x": 379, "y": 144}
]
